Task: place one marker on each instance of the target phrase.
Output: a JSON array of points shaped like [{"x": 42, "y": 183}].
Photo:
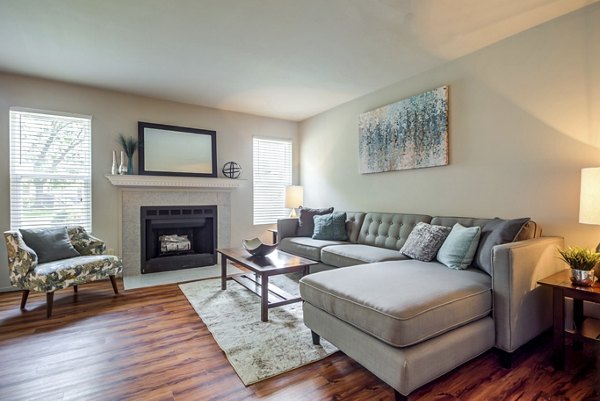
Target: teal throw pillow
[
  {"x": 331, "y": 227},
  {"x": 459, "y": 248}
]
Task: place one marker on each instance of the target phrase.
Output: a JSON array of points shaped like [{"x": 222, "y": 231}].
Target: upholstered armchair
[{"x": 32, "y": 268}]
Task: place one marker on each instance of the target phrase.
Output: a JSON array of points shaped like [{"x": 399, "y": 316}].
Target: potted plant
[{"x": 582, "y": 262}]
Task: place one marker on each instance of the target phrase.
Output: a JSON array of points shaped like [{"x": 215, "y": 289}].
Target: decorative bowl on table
[{"x": 257, "y": 248}]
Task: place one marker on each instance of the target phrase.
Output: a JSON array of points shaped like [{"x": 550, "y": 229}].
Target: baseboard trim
[{"x": 8, "y": 289}]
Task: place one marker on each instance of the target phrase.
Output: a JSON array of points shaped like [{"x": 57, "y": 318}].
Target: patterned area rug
[{"x": 256, "y": 350}]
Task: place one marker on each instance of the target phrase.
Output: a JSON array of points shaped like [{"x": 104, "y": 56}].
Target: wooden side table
[
  {"x": 586, "y": 329},
  {"x": 274, "y": 232}
]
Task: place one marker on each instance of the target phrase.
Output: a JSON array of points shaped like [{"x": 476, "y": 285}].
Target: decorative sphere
[{"x": 232, "y": 170}]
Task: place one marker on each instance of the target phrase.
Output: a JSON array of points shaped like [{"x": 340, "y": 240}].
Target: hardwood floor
[{"x": 149, "y": 344}]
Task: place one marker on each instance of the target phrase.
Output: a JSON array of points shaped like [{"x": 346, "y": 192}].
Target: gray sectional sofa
[{"x": 409, "y": 321}]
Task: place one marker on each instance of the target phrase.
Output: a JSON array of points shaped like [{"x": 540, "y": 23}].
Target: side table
[
  {"x": 273, "y": 231},
  {"x": 586, "y": 329}
]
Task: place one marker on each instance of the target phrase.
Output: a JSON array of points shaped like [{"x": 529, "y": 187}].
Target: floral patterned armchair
[{"x": 27, "y": 274}]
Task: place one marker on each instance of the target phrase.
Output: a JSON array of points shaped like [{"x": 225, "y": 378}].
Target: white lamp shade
[
  {"x": 589, "y": 201},
  {"x": 294, "y": 196}
]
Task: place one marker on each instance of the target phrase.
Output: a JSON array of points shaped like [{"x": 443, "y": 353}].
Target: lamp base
[{"x": 294, "y": 214}]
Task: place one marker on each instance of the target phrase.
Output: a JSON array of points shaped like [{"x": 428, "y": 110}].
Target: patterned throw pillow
[
  {"x": 424, "y": 241},
  {"x": 306, "y": 224},
  {"x": 331, "y": 227}
]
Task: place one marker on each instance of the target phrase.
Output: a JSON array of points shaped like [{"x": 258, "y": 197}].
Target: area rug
[{"x": 256, "y": 350}]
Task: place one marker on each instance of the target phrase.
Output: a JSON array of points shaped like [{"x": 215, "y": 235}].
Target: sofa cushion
[
  {"x": 50, "y": 243},
  {"x": 431, "y": 299},
  {"x": 354, "y": 221},
  {"x": 496, "y": 232},
  {"x": 330, "y": 227},
  {"x": 388, "y": 230},
  {"x": 459, "y": 248},
  {"x": 306, "y": 223},
  {"x": 355, "y": 254},
  {"x": 424, "y": 241},
  {"x": 305, "y": 246},
  {"x": 450, "y": 221}
]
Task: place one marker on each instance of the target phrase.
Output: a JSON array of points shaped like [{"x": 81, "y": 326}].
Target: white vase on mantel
[
  {"x": 123, "y": 165},
  {"x": 114, "y": 170}
]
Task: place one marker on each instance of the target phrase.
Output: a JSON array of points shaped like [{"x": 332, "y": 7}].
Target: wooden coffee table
[{"x": 275, "y": 263}]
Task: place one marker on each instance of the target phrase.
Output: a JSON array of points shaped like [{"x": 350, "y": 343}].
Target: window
[
  {"x": 50, "y": 169},
  {"x": 272, "y": 173}
]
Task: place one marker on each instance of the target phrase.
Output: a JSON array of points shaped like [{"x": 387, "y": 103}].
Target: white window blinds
[
  {"x": 272, "y": 173},
  {"x": 50, "y": 169}
]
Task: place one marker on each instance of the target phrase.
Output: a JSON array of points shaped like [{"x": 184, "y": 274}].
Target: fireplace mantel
[{"x": 155, "y": 181}]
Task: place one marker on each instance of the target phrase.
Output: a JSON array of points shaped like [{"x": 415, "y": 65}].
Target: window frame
[
  {"x": 279, "y": 211},
  {"x": 16, "y": 217}
]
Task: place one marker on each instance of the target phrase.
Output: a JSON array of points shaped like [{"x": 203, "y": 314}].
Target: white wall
[
  {"x": 115, "y": 113},
  {"x": 524, "y": 119}
]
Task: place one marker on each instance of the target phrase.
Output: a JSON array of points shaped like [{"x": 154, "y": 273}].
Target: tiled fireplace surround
[{"x": 134, "y": 199}]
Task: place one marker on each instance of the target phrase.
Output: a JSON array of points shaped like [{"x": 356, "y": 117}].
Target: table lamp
[
  {"x": 589, "y": 200},
  {"x": 294, "y": 197}
]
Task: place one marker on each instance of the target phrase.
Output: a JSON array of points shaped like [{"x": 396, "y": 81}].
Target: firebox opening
[{"x": 178, "y": 237}]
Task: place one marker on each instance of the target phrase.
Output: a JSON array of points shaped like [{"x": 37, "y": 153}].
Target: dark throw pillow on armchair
[
  {"x": 306, "y": 223},
  {"x": 49, "y": 243}
]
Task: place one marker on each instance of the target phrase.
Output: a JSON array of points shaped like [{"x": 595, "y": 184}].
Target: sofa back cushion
[
  {"x": 354, "y": 221},
  {"x": 389, "y": 230},
  {"x": 449, "y": 221}
]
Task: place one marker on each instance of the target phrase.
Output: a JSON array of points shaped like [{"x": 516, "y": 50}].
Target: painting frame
[{"x": 408, "y": 134}]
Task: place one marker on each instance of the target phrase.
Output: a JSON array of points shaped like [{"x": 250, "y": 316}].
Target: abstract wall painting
[{"x": 411, "y": 133}]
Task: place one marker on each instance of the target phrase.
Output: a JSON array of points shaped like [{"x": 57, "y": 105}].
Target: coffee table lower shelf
[
  {"x": 276, "y": 263},
  {"x": 276, "y": 296}
]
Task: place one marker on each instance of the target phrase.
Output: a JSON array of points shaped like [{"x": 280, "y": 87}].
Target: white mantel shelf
[{"x": 156, "y": 181}]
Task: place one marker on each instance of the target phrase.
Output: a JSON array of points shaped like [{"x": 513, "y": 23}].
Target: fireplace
[{"x": 177, "y": 237}]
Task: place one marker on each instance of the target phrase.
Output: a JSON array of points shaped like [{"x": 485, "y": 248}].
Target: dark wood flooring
[{"x": 149, "y": 344}]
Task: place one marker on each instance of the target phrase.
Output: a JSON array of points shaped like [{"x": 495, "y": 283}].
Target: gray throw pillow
[
  {"x": 306, "y": 223},
  {"x": 49, "y": 243},
  {"x": 331, "y": 227},
  {"x": 496, "y": 232},
  {"x": 424, "y": 241}
]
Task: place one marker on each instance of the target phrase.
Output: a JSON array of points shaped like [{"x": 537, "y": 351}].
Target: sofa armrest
[
  {"x": 286, "y": 228},
  {"x": 522, "y": 308},
  {"x": 21, "y": 258},
  {"x": 85, "y": 243}
]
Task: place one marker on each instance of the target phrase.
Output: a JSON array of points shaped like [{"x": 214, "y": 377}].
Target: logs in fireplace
[{"x": 178, "y": 237}]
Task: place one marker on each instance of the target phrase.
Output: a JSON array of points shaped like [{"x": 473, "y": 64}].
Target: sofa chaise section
[{"x": 401, "y": 303}]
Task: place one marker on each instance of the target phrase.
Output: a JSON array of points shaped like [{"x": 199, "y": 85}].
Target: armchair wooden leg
[
  {"x": 49, "y": 303},
  {"x": 24, "y": 296},
  {"x": 75, "y": 289},
  {"x": 113, "y": 281}
]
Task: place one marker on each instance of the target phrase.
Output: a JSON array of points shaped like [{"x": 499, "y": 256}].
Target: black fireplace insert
[{"x": 178, "y": 237}]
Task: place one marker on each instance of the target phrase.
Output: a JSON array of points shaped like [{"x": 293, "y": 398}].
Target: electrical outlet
[{"x": 110, "y": 251}]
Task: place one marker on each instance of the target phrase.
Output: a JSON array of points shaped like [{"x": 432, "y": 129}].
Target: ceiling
[{"x": 287, "y": 59}]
